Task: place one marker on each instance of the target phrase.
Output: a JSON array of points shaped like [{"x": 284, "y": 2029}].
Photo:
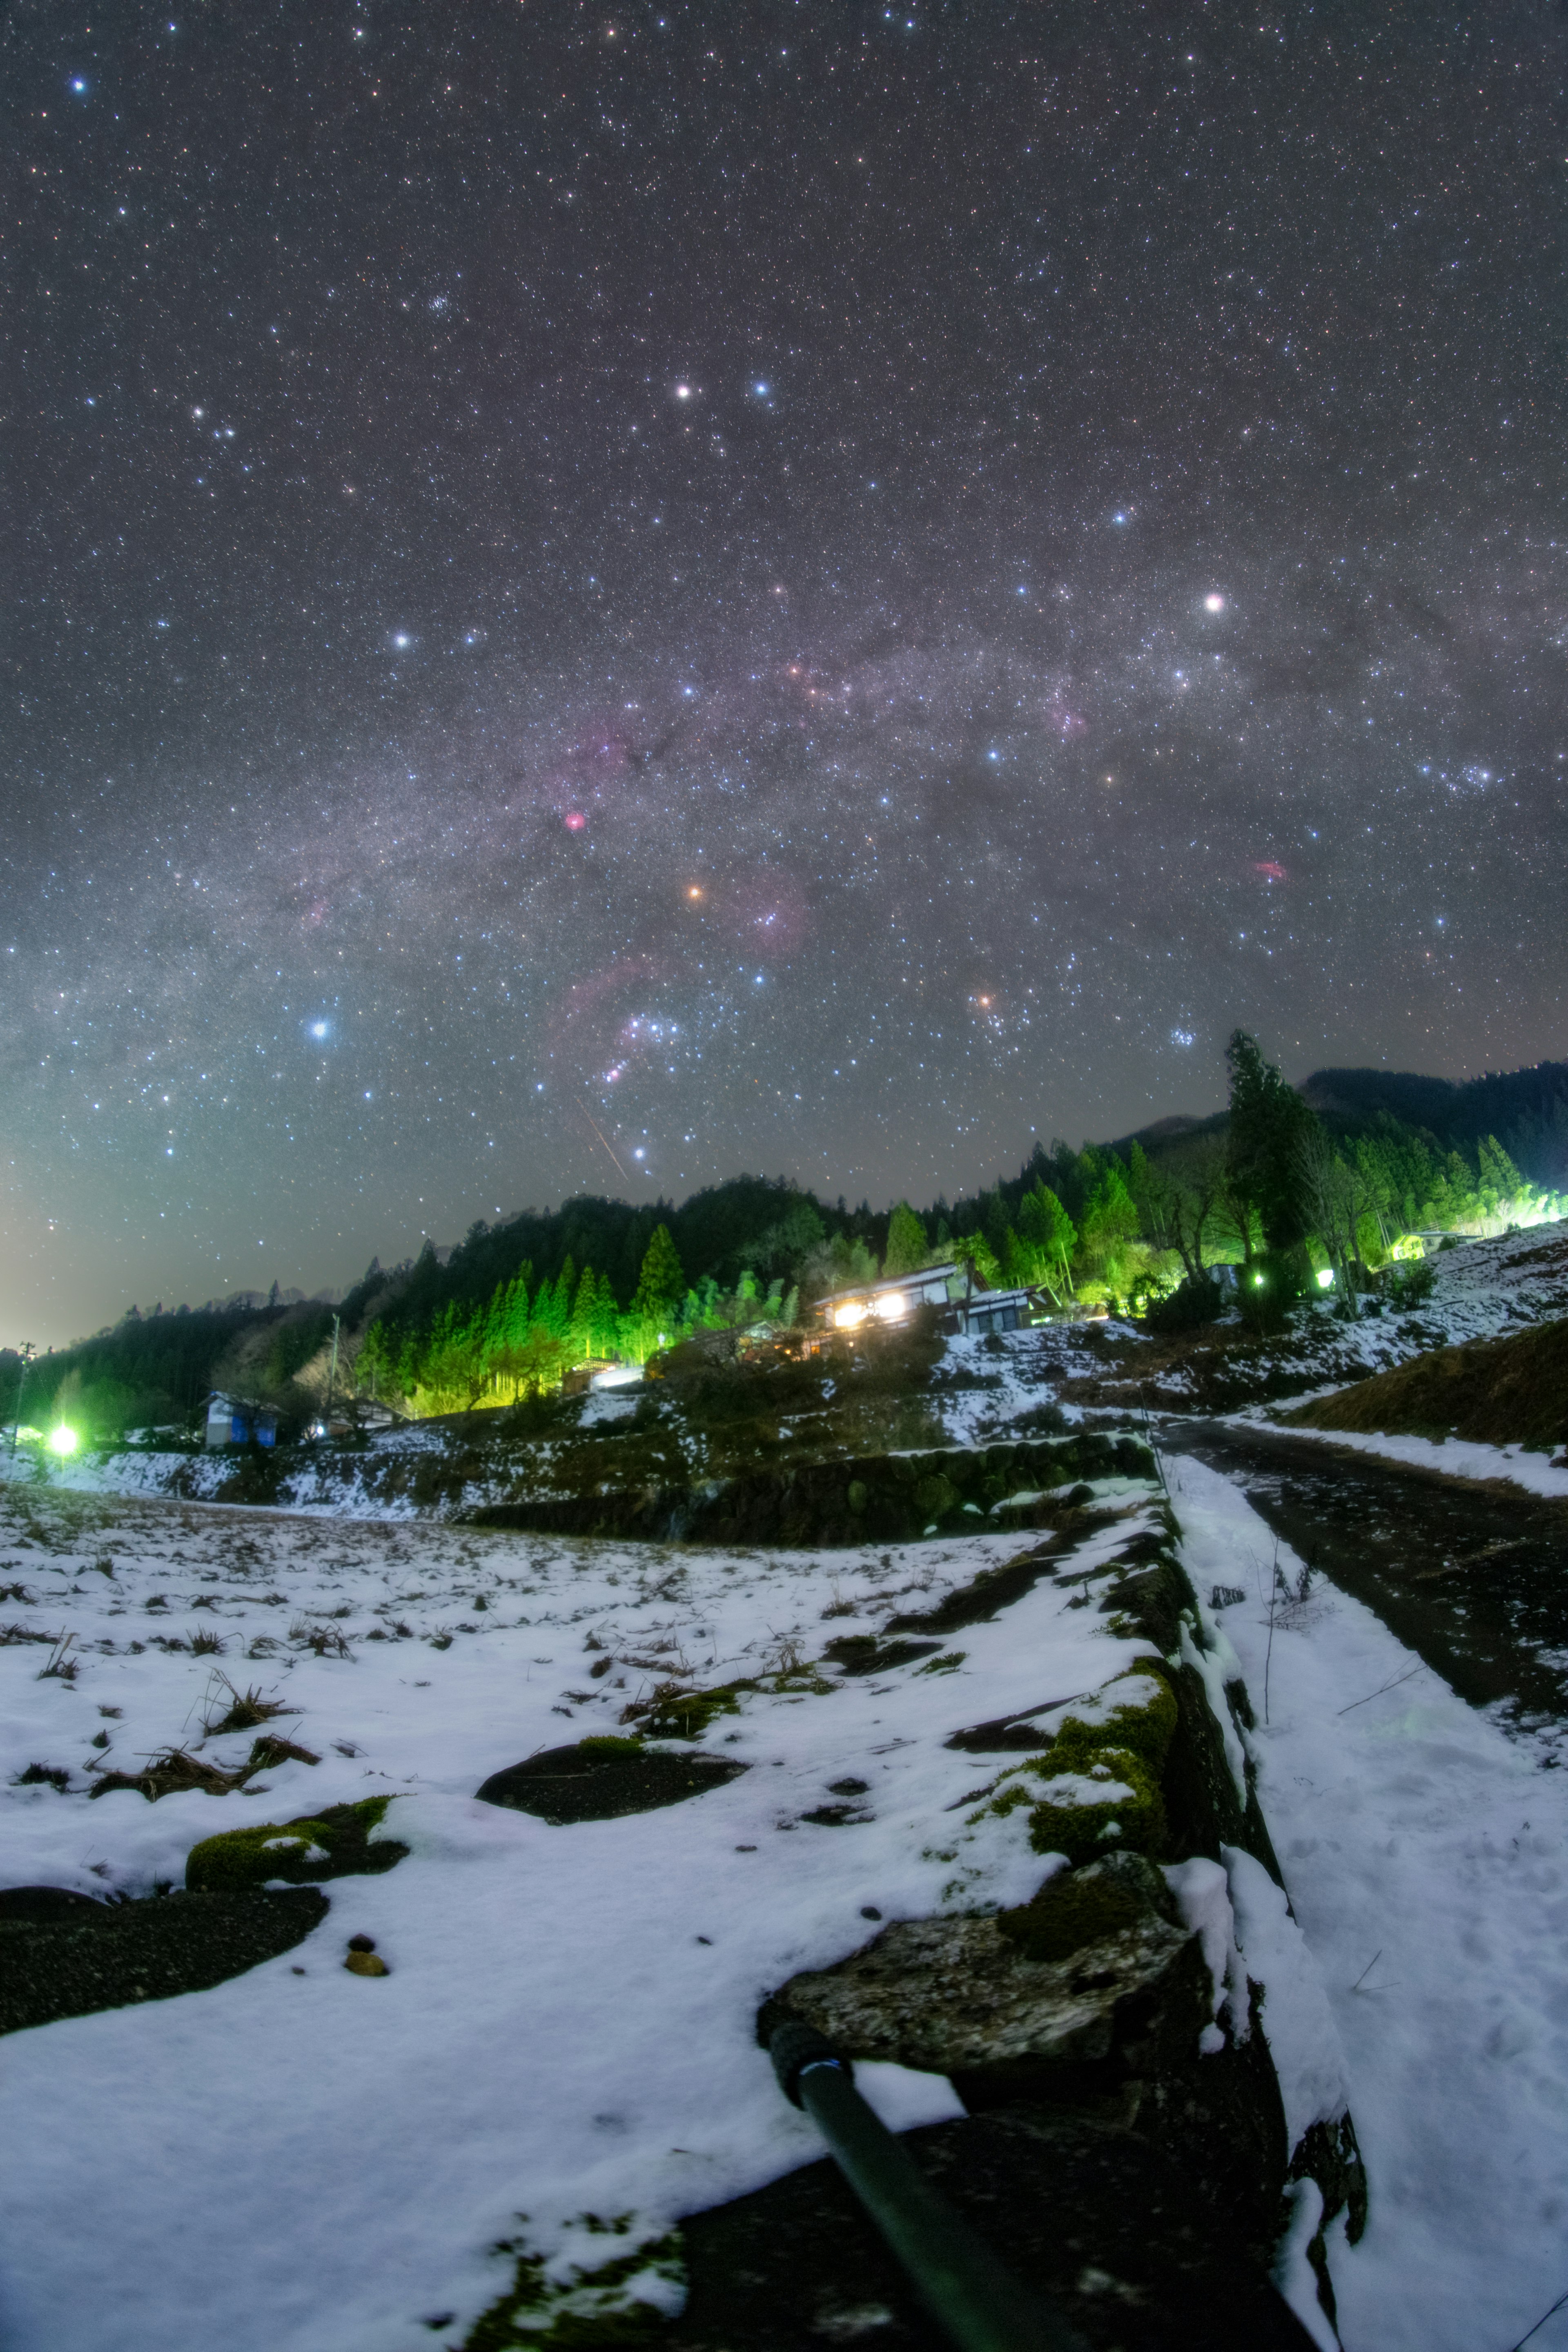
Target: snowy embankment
[
  {"x": 308, "y": 2160},
  {"x": 1427, "y": 1856},
  {"x": 1451, "y": 1457}
]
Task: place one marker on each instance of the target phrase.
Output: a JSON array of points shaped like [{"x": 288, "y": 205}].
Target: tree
[
  {"x": 906, "y": 1246},
  {"x": 1178, "y": 1197},
  {"x": 1048, "y": 1237},
  {"x": 1108, "y": 1236},
  {"x": 662, "y": 1285},
  {"x": 1267, "y": 1119},
  {"x": 1335, "y": 1198}
]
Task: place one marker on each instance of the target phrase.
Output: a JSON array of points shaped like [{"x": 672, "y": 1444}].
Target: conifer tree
[
  {"x": 906, "y": 1246},
  {"x": 662, "y": 1285}
]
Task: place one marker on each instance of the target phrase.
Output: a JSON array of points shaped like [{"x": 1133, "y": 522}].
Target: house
[
  {"x": 231, "y": 1422},
  {"x": 965, "y": 1307}
]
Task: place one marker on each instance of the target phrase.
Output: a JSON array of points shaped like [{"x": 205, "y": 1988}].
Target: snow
[
  {"x": 320, "y": 2162},
  {"x": 1453, "y": 1457},
  {"x": 1424, "y": 1851}
]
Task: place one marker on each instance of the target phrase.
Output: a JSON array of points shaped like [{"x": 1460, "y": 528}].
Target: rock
[
  {"x": 604, "y": 1780},
  {"x": 366, "y": 1964},
  {"x": 333, "y": 1843},
  {"x": 109, "y": 1955},
  {"x": 961, "y": 1995}
]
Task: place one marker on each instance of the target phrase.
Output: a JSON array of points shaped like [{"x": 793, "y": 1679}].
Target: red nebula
[
  {"x": 1269, "y": 871},
  {"x": 573, "y": 820}
]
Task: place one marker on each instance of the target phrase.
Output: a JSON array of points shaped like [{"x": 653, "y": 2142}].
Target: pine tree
[
  {"x": 1267, "y": 1121},
  {"x": 585, "y": 1313},
  {"x": 662, "y": 1285},
  {"x": 906, "y": 1246}
]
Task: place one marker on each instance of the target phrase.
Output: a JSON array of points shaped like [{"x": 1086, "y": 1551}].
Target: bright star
[
  {"x": 402, "y": 641},
  {"x": 1214, "y": 603},
  {"x": 683, "y": 392},
  {"x": 761, "y": 390},
  {"x": 318, "y": 1028}
]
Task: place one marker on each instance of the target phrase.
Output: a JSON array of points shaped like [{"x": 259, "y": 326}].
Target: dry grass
[
  {"x": 245, "y": 1710},
  {"x": 1510, "y": 1392}
]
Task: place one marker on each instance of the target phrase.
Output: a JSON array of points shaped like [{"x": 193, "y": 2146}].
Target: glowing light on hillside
[
  {"x": 62, "y": 1440},
  {"x": 851, "y": 1313},
  {"x": 890, "y": 1306}
]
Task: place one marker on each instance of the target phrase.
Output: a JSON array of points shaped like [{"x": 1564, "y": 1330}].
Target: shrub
[{"x": 1194, "y": 1301}]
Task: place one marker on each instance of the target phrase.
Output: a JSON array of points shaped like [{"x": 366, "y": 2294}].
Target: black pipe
[{"x": 976, "y": 2302}]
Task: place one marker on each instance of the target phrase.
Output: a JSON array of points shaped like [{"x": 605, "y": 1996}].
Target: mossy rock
[
  {"x": 333, "y": 1843},
  {"x": 934, "y": 1497},
  {"x": 1144, "y": 1726},
  {"x": 1078, "y": 1907},
  {"x": 1071, "y": 1820}
]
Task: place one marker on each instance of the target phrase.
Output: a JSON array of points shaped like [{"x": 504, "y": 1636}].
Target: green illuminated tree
[
  {"x": 906, "y": 1246},
  {"x": 662, "y": 1285}
]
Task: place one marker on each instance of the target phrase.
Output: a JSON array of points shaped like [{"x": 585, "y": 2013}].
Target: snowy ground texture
[
  {"x": 318, "y": 2162},
  {"x": 1427, "y": 1856}
]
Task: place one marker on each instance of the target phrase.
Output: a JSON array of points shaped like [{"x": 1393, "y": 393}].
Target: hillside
[{"x": 1510, "y": 1392}]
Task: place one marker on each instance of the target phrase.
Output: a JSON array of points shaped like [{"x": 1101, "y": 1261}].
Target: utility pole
[{"x": 27, "y": 1351}]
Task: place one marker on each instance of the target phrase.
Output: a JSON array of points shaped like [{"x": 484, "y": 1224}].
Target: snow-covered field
[{"x": 318, "y": 2162}]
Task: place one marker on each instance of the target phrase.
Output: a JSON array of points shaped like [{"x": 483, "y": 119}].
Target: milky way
[{"x": 604, "y": 598}]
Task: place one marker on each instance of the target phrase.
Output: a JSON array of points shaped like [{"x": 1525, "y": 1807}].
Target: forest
[{"x": 1292, "y": 1186}]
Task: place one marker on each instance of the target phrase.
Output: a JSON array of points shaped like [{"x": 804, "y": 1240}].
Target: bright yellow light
[
  {"x": 890, "y": 1305},
  {"x": 694, "y": 892},
  {"x": 849, "y": 1314},
  {"x": 62, "y": 1440},
  {"x": 1326, "y": 1278}
]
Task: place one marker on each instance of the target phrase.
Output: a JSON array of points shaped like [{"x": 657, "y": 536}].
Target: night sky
[{"x": 604, "y": 598}]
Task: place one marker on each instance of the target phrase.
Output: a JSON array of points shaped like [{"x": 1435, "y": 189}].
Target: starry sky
[{"x": 603, "y": 597}]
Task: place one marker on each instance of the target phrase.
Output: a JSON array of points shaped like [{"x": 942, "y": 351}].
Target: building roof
[{"x": 925, "y": 1277}]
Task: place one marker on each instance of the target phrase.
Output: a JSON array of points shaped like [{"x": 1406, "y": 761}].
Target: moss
[
  {"x": 1145, "y": 1727},
  {"x": 595, "y": 2306},
  {"x": 1074, "y": 1908},
  {"x": 332, "y": 1843},
  {"x": 1076, "y": 1825},
  {"x": 675, "y": 1713},
  {"x": 948, "y": 1664}
]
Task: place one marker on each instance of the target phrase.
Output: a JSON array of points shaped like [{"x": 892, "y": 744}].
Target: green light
[
  {"x": 1257, "y": 1282},
  {"x": 1325, "y": 1278},
  {"x": 62, "y": 1440}
]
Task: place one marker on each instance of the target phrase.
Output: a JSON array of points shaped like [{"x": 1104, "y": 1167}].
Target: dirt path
[{"x": 1473, "y": 1578}]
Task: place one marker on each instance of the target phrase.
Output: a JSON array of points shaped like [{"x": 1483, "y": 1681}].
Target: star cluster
[{"x": 603, "y": 597}]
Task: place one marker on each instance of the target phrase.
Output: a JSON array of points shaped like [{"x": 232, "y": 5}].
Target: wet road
[{"x": 1474, "y": 1581}]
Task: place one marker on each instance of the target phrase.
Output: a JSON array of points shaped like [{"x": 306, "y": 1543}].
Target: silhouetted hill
[{"x": 1527, "y": 1110}]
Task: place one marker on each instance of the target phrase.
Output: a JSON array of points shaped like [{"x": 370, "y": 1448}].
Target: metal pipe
[{"x": 976, "y": 2300}]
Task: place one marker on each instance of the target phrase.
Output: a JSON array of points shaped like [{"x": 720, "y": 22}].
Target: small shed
[{"x": 231, "y": 1422}]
